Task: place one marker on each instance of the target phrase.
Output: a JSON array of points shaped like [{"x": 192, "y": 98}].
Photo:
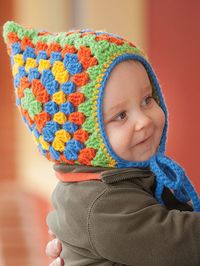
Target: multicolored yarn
[
  {"x": 59, "y": 82},
  {"x": 57, "y": 79}
]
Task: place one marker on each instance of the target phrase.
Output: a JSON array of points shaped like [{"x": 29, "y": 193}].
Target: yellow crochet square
[
  {"x": 57, "y": 67},
  {"x": 58, "y": 145},
  {"x": 15, "y": 69},
  {"x": 63, "y": 135},
  {"x": 45, "y": 144},
  {"x": 59, "y": 72},
  {"x": 62, "y": 77},
  {"x": 18, "y": 59},
  {"x": 59, "y": 97},
  {"x": 43, "y": 64},
  {"x": 60, "y": 118},
  {"x": 30, "y": 63}
]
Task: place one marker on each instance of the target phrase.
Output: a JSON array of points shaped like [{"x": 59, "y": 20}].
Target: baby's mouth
[{"x": 144, "y": 141}]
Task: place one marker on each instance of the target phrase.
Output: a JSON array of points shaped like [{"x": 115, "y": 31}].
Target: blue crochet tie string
[{"x": 171, "y": 175}]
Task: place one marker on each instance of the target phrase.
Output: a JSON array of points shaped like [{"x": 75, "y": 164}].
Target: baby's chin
[{"x": 137, "y": 159}]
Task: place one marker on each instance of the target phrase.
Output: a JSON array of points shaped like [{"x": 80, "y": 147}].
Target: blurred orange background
[{"x": 168, "y": 31}]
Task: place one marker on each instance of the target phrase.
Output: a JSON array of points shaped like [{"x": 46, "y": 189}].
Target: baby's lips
[{"x": 143, "y": 140}]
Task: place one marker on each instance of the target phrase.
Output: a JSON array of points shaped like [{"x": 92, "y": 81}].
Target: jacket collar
[{"x": 71, "y": 173}]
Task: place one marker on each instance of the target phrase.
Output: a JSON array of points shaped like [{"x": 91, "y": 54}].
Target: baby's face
[{"x": 133, "y": 120}]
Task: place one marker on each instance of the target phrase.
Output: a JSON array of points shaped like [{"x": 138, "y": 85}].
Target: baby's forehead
[
  {"x": 129, "y": 79},
  {"x": 133, "y": 67},
  {"x": 125, "y": 64},
  {"x": 128, "y": 73}
]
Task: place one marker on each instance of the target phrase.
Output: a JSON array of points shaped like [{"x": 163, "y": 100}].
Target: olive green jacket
[{"x": 117, "y": 221}]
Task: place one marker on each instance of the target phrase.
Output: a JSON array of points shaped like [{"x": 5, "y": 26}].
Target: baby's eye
[
  {"x": 121, "y": 116},
  {"x": 148, "y": 100}
]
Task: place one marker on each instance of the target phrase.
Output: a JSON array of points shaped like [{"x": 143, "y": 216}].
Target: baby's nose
[{"x": 142, "y": 121}]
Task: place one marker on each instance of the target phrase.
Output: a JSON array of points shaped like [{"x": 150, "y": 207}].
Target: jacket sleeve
[{"x": 128, "y": 226}]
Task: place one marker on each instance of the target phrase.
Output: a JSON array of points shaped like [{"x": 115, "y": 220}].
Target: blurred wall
[{"x": 7, "y": 127}]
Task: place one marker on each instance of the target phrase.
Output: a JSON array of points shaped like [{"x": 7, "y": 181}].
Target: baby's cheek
[
  {"x": 162, "y": 120},
  {"x": 160, "y": 123},
  {"x": 159, "y": 118},
  {"x": 115, "y": 139}
]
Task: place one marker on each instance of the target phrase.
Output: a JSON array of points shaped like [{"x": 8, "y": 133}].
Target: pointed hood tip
[
  {"x": 9, "y": 26},
  {"x": 17, "y": 29}
]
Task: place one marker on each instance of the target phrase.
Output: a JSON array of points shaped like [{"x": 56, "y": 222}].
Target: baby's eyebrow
[
  {"x": 147, "y": 88},
  {"x": 123, "y": 103},
  {"x": 117, "y": 106}
]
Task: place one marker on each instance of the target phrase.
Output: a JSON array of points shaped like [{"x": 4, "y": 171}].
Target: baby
[
  {"x": 133, "y": 120},
  {"x": 94, "y": 106}
]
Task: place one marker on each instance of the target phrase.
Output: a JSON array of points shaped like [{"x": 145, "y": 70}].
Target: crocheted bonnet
[{"x": 59, "y": 82}]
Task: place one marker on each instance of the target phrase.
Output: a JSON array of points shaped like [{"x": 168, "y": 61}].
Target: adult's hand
[{"x": 53, "y": 250}]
